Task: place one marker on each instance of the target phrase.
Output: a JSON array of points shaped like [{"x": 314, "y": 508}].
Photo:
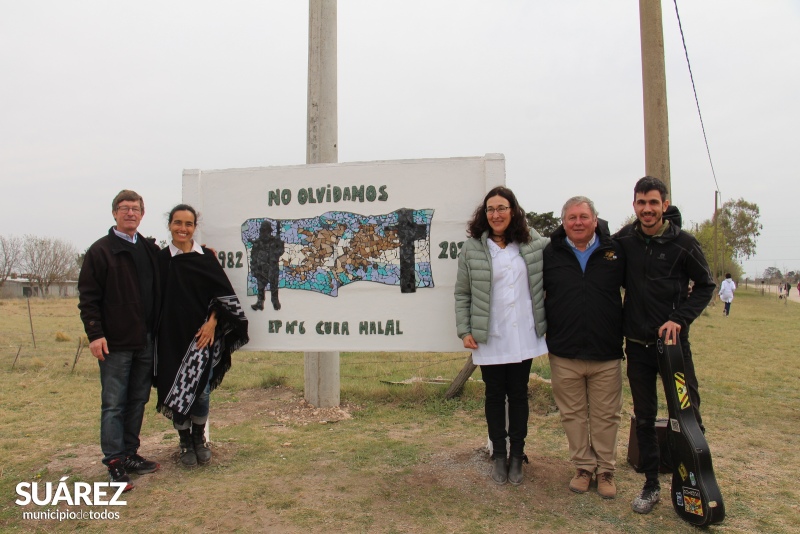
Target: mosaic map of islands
[{"x": 337, "y": 248}]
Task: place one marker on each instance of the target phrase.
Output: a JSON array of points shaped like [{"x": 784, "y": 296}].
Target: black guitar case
[{"x": 695, "y": 494}]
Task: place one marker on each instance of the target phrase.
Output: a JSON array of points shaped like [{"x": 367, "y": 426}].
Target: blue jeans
[
  {"x": 126, "y": 378},
  {"x": 198, "y": 413}
]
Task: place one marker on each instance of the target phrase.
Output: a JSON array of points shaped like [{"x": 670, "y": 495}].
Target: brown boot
[
  {"x": 605, "y": 485},
  {"x": 580, "y": 482}
]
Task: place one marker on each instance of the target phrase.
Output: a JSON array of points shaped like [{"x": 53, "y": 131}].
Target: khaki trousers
[{"x": 589, "y": 397}]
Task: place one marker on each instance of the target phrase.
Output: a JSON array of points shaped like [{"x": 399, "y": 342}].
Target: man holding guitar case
[{"x": 661, "y": 259}]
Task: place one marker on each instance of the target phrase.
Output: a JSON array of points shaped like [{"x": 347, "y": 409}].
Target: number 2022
[
  {"x": 450, "y": 246},
  {"x": 229, "y": 259}
]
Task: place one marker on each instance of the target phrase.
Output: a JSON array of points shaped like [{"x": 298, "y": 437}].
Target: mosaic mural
[{"x": 337, "y": 248}]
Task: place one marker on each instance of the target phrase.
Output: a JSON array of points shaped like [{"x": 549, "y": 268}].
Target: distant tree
[
  {"x": 10, "y": 254},
  {"x": 544, "y": 223},
  {"x": 736, "y": 235},
  {"x": 739, "y": 222},
  {"x": 630, "y": 220},
  {"x": 46, "y": 260},
  {"x": 772, "y": 274},
  {"x": 80, "y": 257},
  {"x": 704, "y": 233}
]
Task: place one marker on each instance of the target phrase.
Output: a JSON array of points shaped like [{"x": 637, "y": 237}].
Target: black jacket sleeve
[
  {"x": 91, "y": 289},
  {"x": 703, "y": 290}
]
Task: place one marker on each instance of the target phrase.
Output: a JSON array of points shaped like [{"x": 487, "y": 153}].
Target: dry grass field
[{"x": 392, "y": 458}]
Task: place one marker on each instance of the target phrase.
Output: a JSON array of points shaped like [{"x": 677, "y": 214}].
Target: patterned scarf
[{"x": 185, "y": 387}]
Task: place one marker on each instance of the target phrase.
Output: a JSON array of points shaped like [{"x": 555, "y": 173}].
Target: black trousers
[
  {"x": 643, "y": 377},
  {"x": 507, "y": 380}
]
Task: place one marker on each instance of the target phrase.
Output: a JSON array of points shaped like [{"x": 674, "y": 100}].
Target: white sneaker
[{"x": 647, "y": 499}]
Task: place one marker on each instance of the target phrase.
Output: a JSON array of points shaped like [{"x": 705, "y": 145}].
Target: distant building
[{"x": 14, "y": 288}]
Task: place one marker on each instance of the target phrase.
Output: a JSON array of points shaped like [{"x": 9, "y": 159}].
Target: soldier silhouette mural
[
  {"x": 265, "y": 255},
  {"x": 337, "y": 248},
  {"x": 408, "y": 232}
]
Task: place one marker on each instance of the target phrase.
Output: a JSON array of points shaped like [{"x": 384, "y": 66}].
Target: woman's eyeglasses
[{"x": 499, "y": 209}]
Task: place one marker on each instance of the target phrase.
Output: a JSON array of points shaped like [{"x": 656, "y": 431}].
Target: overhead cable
[{"x": 696, "y": 100}]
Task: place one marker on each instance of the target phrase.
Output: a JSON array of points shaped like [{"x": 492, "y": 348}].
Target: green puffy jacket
[{"x": 473, "y": 290}]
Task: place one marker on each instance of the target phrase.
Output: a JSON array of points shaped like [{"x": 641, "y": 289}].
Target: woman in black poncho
[{"x": 201, "y": 324}]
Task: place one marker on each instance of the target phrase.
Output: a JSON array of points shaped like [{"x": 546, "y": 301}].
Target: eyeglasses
[
  {"x": 127, "y": 209},
  {"x": 499, "y": 209}
]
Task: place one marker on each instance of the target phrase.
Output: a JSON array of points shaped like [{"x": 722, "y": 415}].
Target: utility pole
[
  {"x": 654, "y": 85},
  {"x": 718, "y": 198},
  {"x": 322, "y": 382}
]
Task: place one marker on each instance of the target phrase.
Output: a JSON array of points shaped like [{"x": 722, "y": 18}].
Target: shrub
[
  {"x": 271, "y": 381},
  {"x": 62, "y": 336}
]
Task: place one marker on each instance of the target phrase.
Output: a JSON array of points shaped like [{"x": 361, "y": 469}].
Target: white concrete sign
[{"x": 346, "y": 256}]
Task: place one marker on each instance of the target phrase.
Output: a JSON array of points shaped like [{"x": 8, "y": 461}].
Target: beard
[{"x": 656, "y": 220}]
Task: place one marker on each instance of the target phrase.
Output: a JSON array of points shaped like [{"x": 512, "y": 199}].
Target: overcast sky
[{"x": 97, "y": 96}]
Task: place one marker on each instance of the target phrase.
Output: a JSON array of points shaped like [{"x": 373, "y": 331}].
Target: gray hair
[{"x": 574, "y": 201}]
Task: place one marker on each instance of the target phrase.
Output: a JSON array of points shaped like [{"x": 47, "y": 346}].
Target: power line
[{"x": 697, "y": 102}]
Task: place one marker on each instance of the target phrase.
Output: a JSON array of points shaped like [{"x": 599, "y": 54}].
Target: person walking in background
[
  {"x": 500, "y": 316},
  {"x": 726, "y": 289},
  {"x": 202, "y": 324},
  {"x": 660, "y": 261},
  {"x": 583, "y": 273},
  {"x": 118, "y": 296}
]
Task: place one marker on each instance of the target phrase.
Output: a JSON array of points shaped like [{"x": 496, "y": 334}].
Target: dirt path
[{"x": 771, "y": 291}]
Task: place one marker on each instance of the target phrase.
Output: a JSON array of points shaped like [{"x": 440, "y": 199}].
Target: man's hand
[
  {"x": 672, "y": 330},
  {"x": 99, "y": 348},
  {"x": 469, "y": 342}
]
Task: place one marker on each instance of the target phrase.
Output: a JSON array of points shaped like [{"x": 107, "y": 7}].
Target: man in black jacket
[
  {"x": 583, "y": 274},
  {"x": 661, "y": 259},
  {"x": 119, "y": 301}
]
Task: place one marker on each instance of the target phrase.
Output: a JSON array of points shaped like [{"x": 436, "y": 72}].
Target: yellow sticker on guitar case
[
  {"x": 683, "y": 392},
  {"x": 683, "y": 472}
]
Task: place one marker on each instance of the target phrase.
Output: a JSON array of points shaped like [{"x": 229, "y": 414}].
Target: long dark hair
[
  {"x": 181, "y": 207},
  {"x": 517, "y": 231}
]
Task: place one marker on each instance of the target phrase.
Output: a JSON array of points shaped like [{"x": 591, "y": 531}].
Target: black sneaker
[
  {"x": 136, "y": 464},
  {"x": 116, "y": 472},
  {"x": 647, "y": 498}
]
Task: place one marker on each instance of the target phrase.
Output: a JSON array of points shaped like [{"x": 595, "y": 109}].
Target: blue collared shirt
[
  {"x": 583, "y": 255},
  {"x": 126, "y": 237}
]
